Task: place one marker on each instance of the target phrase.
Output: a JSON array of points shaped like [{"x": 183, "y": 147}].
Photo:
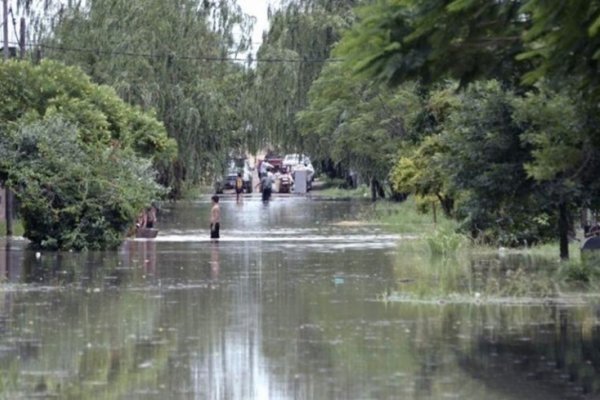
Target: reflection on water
[{"x": 287, "y": 306}]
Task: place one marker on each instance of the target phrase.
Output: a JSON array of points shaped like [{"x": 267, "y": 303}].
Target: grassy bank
[
  {"x": 404, "y": 217},
  {"x": 441, "y": 235},
  {"x": 446, "y": 266},
  {"x": 333, "y": 189},
  {"x": 18, "y": 229}
]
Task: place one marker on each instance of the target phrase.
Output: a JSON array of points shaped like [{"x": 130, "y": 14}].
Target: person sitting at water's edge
[
  {"x": 140, "y": 222},
  {"x": 215, "y": 218},
  {"x": 147, "y": 218},
  {"x": 151, "y": 216}
]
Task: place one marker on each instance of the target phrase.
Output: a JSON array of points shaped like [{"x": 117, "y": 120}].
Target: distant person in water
[
  {"x": 266, "y": 186},
  {"x": 239, "y": 186},
  {"x": 215, "y": 218},
  {"x": 262, "y": 169}
]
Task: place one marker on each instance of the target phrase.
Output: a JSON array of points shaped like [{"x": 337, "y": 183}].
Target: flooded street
[{"x": 294, "y": 302}]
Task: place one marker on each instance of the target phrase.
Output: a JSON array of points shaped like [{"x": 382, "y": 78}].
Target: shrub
[
  {"x": 445, "y": 241},
  {"x": 72, "y": 195}
]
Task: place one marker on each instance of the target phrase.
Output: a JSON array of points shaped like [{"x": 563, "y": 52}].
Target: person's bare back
[{"x": 215, "y": 218}]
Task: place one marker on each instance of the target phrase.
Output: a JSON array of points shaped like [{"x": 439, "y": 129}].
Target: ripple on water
[{"x": 291, "y": 239}]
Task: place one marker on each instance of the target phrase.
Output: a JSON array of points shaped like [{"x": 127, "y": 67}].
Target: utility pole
[
  {"x": 5, "y": 27},
  {"x": 22, "y": 39},
  {"x": 7, "y": 192}
]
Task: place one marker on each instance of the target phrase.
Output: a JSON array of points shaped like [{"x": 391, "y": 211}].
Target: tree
[
  {"x": 357, "y": 124},
  {"x": 496, "y": 198},
  {"x": 419, "y": 172},
  {"x": 79, "y": 159},
  {"x": 429, "y": 40},
  {"x": 517, "y": 43},
  {"x": 562, "y": 41},
  {"x": 174, "y": 57},
  {"x": 70, "y": 196},
  {"x": 564, "y": 159},
  {"x": 32, "y": 92},
  {"x": 418, "y": 169},
  {"x": 293, "y": 52}
]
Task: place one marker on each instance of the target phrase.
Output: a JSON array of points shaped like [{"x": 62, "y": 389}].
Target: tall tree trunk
[
  {"x": 563, "y": 230},
  {"x": 447, "y": 204},
  {"x": 373, "y": 190}
]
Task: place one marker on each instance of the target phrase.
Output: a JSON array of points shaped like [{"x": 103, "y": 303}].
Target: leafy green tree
[
  {"x": 174, "y": 57},
  {"x": 560, "y": 132},
  {"x": 357, "y": 124},
  {"x": 72, "y": 195},
  {"x": 293, "y": 52},
  {"x": 497, "y": 199},
  {"x": 562, "y": 40},
  {"x": 420, "y": 172},
  {"x": 29, "y": 92},
  {"x": 428, "y": 40},
  {"x": 418, "y": 169},
  {"x": 517, "y": 43},
  {"x": 81, "y": 161}
]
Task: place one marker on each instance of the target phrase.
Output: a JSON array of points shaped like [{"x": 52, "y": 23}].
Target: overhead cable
[{"x": 176, "y": 57}]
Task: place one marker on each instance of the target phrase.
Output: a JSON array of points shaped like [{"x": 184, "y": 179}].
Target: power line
[{"x": 175, "y": 57}]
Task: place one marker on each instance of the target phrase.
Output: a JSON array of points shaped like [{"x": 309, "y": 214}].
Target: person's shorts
[
  {"x": 266, "y": 194},
  {"x": 240, "y": 190},
  {"x": 214, "y": 231}
]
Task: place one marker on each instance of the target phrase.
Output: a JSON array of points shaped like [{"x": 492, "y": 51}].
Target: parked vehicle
[
  {"x": 285, "y": 182},
  {"x": 293, "y": 162},
  {"x": 235, "y": 166},
  {"x": 275, "y": 162}
]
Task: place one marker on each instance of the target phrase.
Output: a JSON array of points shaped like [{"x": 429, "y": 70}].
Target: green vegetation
[
  {"x": 439, "y": 249},
  {"x": 409, "y": 217},
  {"x": 174, "y": 57},
  {"x": 79, "y": 159},
  {"x": 476, "y": 274},
  {"x": 437, "y": 264},
  {"x": 501, "y": 127},
  {"x": 487, "y": 108},
  {"x": 301, "y": 32},
  {"x": 18, "y": 229},
  {"x": 356, "y": 124},
  {"x": 334, "y": 189}
]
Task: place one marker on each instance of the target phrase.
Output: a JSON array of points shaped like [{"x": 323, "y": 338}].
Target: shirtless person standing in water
[{"x": 215, "y": 218}]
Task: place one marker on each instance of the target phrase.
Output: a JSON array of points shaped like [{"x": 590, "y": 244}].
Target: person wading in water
[
  {"x": 266, "y": 185},
  {"x": 239, "y": 186},
  {"x": 215, "y": 218}
]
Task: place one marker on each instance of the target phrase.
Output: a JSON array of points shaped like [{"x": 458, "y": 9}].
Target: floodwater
[{"x": 292, "y": 303}]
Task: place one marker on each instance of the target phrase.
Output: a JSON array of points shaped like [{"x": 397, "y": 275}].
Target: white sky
[{"x": 258, "y": 9}]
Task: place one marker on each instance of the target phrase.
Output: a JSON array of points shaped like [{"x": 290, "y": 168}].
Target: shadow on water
[{"x": 291, "y": 304}]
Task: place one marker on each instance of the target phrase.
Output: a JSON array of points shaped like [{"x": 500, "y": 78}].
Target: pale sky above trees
[{"x": 257, "y": 9}]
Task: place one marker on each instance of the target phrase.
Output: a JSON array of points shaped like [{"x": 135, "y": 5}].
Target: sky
[{"x": 258, "y": 9}]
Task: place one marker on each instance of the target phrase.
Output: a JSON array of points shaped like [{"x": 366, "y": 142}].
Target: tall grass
[
  {"x": 444, "y": 241},
  {"x": 18, "y": 229},
  {"x": 404, "y": 217},
  {"x": 337, "y": 192}
]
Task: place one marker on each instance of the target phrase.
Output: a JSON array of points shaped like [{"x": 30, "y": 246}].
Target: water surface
[{"x": 291, "y": 303}]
